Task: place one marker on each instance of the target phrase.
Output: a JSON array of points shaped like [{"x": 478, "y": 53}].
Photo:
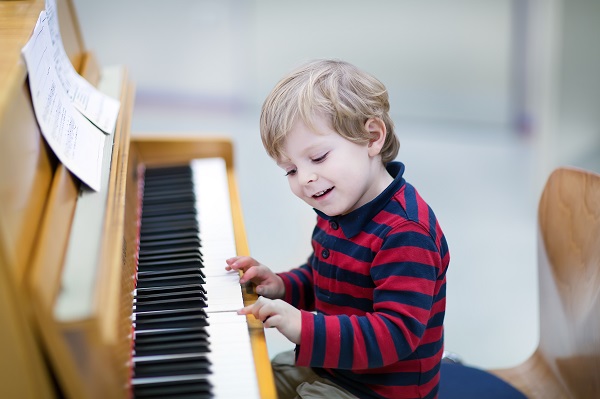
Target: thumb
[{"x": 265, "y": 290}]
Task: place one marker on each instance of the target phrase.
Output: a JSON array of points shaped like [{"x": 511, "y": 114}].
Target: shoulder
[{"x": 407, "y": 211}]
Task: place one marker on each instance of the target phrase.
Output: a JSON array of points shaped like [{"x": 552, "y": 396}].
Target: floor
[{"x": 481, "y": 183}]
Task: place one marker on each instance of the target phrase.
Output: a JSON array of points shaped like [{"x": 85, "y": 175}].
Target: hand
[
  {"x": 279, "y": 314},
  {"x": 267, "y": 283}
]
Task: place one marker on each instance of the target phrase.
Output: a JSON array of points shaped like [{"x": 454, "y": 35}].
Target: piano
[{"x": 119, "y": 293}]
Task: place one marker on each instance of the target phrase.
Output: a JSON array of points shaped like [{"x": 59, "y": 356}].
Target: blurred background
[{"x": 488, "y": 97}]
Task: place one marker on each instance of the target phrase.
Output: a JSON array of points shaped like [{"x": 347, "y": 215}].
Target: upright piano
[{"x": 121, "y": 292}]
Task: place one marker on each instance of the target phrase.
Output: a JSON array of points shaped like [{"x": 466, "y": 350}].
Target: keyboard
[{"x": 188, "y": 340}]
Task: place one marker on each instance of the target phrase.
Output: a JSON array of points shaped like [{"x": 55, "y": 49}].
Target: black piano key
[
  {"x": 175, "y": 225},
  {"x": 166, "y": 335},
  {"x": 181, "y": 279},
  {"x": 169, "y": 244},
  {"x": 158, "y": 239},
  {"x": 168, "y": 209},
  {"x": 165, "y": 232},
  {"x": 167, "y": 250},
  {"x": 170, "y": 289},
  {"x": 172, "y": 272},
  {"x": 193, "y": 345},
  {"x": 167, "y": 269},
  {"x": 167, "y": 218},
  {"x": 198, "y": 388},
  {"x": 174, "y": 321},
  {"x": 196, "y": 254},
  {"x": 169, "y": 195},
  {"x": 166, "y": 304},
  {"x": 170, "y": 264},
  {"x": 169, "y": 301},
  {"x": 152, "y": 178},
  {"x": 180, "y": 293},
  {"x": 152, "y": 175},
  {"x": 171, "y": 366},
  {"x": 157, "y": 184}
]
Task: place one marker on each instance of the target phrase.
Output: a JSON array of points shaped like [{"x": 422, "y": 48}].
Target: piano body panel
[
  {"x": 27, "y": 172},
  {"x": 111, "y": 263},
  {"x": 169, "y": 149},
  {"x": 27, "y": 167},
  {"x": 86, "y": 353},
  {"x": 23, "y": 372}
]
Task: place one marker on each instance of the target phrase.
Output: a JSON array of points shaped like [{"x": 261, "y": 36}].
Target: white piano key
[
  {"x": 223, "y": 293},
  {"x": 231, "y": 350},
  {"x": 233, "y": 360}
]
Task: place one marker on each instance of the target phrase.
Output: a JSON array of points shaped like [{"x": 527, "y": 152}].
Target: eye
[
  {"x": 290, "y": 172},
  {"x": 321, "y": 158}
]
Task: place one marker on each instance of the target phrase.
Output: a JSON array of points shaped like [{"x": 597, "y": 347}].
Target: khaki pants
[{"x": 294, "y": 382}]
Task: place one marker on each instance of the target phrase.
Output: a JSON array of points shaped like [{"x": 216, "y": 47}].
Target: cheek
[{"x": 295, "y": 187}]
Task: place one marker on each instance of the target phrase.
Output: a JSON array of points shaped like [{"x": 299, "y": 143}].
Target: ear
[{"x": 378, "y": 132}]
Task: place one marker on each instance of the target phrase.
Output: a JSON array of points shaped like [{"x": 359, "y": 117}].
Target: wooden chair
[{"x": 566, "y": 363}]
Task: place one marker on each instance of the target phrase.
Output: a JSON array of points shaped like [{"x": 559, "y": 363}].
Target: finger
[
  {"x": 240, "y": 262},
  {"x": 246, "y": 310},
  {"x": 233, "y": 264},
  {"x": 266, "y": 311},
  {"x": 272, "y": 321},
  {"x": 264, "y": 290},
  {"x": 249, "y": 274}
]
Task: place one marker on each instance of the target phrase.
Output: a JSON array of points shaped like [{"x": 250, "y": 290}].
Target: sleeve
[
  {"x": 405, "y": 272},
  {"x": 298, "y": 284}
]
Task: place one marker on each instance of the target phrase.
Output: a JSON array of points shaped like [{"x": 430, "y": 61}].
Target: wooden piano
[{"x": 69, "y": 256}]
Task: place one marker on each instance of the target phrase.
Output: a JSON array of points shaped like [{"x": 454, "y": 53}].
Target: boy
[{"x": 366, "y": 310}]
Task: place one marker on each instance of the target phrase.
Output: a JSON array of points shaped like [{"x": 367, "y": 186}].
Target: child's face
[{"x": 329, "y": 172}]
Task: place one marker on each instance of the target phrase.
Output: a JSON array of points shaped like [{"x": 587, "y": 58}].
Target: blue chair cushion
[{"x": 458, "y": 381}]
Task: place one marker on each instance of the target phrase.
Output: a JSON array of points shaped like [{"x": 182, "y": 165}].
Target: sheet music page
[
  {"x": 77, "y": 143},
  {"x": 100, "y": 109}
]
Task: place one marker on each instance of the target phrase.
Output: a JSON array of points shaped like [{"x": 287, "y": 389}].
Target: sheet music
[
  {"x": 77, "y": 143},
  {"x": 99, "y": 108}
]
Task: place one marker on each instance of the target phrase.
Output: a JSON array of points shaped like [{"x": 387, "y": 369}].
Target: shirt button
[
  {"x": 325, "y": 253},
  {"x": 334, "y": 225}
]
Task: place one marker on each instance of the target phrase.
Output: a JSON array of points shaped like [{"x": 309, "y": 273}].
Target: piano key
[
  {"x": 184, "y": 386},
  {"x": 169, "y": 269},
  {"x": 165, "y": 248},
  {"x": 155, "y": 291},
  {"x": 195, "y": 364},
  {"x": 195, "y": 254},
  {"x": 166, "y": 304},
  {"x": 156, "y": 337}
]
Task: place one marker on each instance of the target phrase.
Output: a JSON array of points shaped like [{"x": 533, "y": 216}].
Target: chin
[{"x": 331, "y": 212}]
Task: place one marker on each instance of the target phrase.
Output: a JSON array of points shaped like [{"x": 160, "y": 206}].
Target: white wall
[
  {"x": 441, "y": 60},
  {"x": 459, "y": 74}
]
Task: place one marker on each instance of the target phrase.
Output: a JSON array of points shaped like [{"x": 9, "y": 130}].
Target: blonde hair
[{"x": 340, "y": 91}]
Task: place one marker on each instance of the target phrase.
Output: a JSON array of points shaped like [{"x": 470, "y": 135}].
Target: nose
[{"x": 306, "y": 176}]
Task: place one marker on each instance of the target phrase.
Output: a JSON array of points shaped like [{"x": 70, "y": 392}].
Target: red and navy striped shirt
[{"x": 377, "y": 281}]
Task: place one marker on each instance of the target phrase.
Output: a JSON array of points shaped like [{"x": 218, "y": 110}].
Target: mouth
[{"x": 322, "y": 193}]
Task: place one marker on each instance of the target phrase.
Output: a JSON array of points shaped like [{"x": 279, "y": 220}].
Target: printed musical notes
[{"x": 77, "y": 143}]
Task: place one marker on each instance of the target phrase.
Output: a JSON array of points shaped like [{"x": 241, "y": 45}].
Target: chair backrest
[{"x": 569, "y": 278}]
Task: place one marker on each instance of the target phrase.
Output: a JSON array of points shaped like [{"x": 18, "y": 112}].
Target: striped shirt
[{"x": 376, "y": 281}]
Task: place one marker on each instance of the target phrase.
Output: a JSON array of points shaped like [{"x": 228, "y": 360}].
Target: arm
[
  {"x": 405, "y": 273},
  {"x": 298, "y": 283},
  {"x": 295, "y": 287}
]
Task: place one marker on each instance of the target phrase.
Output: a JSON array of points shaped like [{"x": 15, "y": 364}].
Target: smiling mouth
[{"x": 322, "y": 193}]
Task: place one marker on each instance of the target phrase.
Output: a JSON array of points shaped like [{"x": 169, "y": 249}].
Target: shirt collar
[{"x": 352, "y": 223}]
